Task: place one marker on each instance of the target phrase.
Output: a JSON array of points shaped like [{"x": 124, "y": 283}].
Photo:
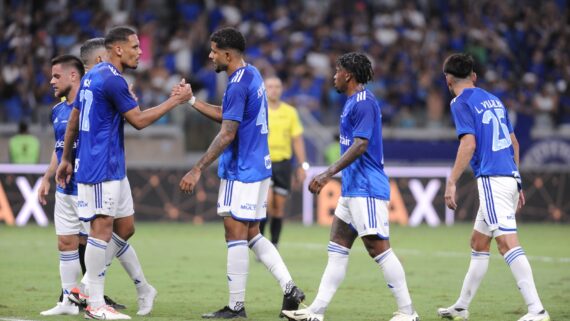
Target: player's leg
[
  {"x": 266, "y": 253},
  {"x": 270, "y": 210},
  {"x": 480, "y": 245},
  {"x": 342, "y": 237},
  {"x": 281, "y": 186},
  {"x": 230, "y": 197},
  {"x": 371, "y": 217},
  {"x": 504, "y": 196},
  {"x": 67, "y": 228},
  {"x": 98, "y": 204}
]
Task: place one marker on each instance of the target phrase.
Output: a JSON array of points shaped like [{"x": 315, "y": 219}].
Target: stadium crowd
[{"x": 520, "y": 47}]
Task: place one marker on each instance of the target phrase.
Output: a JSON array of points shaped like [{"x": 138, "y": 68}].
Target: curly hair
[
  {"x": 229, "y": 38},
  {"x": 358, "y": 65},
  {"x": 459, "y": 65}
]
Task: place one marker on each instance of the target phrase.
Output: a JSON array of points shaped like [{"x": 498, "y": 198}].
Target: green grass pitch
[{"x": 187, "y": 263}]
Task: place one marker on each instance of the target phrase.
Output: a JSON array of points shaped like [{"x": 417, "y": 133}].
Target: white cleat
[
  {"x": 105, "y": 312},
  {"x": 146, "y": 301},
  {"x": 400, "y": 316},
  {"x": 62, "y": 308},
  {"x": 453, "y": 314},
  {"x": 303, "y": 315},
  {"x": 541, "y": 316}
]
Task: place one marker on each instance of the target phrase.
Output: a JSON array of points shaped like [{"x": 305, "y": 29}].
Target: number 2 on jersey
[
  {"x": 86, "y": 100},
  {"x": 262, "y": 118},
  {"x": 496, "y": 121}
]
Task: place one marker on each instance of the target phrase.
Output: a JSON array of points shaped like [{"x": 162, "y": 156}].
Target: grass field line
[
  {"x": 416, "y": 252},
  {"x": 12, "y": 319}
]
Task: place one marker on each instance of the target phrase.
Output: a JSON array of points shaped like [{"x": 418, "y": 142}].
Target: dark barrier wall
[{"x": 414, "y": 200}]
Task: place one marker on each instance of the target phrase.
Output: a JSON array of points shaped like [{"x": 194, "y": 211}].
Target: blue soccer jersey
[
  {"x": 59, "y": 116},
  {"x": 477, "y": 112},
  {"x": 246, "y": 159},
  {"x": 365, "y": 177},
  {"x": 103, "y": 98}
]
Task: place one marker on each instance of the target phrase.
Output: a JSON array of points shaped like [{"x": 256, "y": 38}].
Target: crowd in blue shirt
[{"x": 520, "y": 48}]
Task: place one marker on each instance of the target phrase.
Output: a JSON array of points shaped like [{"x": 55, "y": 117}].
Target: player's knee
[{"x": 66, "y": 244}]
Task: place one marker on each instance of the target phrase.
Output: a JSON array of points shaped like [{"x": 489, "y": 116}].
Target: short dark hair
[
  {"x": 229, "y": 38},
  {"x": 120, "y": 33},
  {"x": 459, "y": 65},
  {"x": 89, "y": 46},
  {"x": 69, "y": 60},
  {"x": 22, "y": 127},
  {"x": 358, "y": 65}
]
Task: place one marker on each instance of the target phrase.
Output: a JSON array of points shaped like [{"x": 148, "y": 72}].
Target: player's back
[
  {"x": 59, "y": 116},
  {"x": 103, "y": 98},
  {"x": 482, "y": 114},
  {"x": 365, "y": 177},
  {"x": 247, "y": 158}
]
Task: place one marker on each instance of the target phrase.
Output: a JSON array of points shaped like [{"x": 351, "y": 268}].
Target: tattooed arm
[{"x": 221, "y": 141}]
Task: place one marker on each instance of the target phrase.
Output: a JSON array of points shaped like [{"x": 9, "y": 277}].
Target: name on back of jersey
[{"x": 488, "y": 104}]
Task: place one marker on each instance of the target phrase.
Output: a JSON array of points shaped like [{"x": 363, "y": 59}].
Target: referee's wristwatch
[
  {"x": 305, "y": 165},
  {"x": 192, "y": 101}
]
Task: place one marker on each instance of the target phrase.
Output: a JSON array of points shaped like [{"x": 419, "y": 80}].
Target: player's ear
[{"x": 474, "y": 77}]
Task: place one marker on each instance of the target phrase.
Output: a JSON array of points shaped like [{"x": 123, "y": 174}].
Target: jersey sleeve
[
  {"x": 296, "y": 126},
  {"x": 464, "y": 123},
  {"x": 117, "y": 91},
  {"x": 234, "y": 102},
  {"x": 363, "y": 117}
]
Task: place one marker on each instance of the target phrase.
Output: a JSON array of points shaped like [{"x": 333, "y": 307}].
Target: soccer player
[
  {"x": 285, "y": 130},
  {"x": 486, "y": 139},
  {"x": 362, "y": 210},
  {"x": 244, "y": 169},
  {"x": 104, "y": 194},
  {"x": 66, "y": 72}
]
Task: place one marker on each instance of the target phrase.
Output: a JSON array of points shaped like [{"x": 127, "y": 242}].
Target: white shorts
[
  {"x": 111, "y": 198},
  {"x": 367, "y": 215},
  {"x": 498, "y": 200},
  {"x": 65, "y": 216},
  {"x": 243, "y": 201}
]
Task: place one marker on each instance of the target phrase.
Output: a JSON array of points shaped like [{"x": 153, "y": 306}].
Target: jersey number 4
[
  {"x": 86, "y": 100},
  {"x": 262, "y": 118},
  {"x": 497, "y": 121}
]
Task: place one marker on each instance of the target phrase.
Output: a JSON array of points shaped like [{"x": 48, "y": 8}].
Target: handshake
[{"x": 182, "y": 92}]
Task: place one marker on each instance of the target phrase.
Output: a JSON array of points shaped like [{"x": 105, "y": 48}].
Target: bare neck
[
  {"x": 462, "y": 85},
  {"x": 235, "y": 66},
  {"x": 116, "y": 61},
  {"x": 72, "y": 93},
  {"x": 353, "y": 88}
]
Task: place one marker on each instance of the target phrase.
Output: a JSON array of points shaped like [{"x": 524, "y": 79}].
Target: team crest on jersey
[{"x": 267, "y": 159}]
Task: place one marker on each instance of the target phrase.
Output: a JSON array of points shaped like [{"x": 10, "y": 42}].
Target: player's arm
[
  {"x": 65, "y": 168},
  {"x": 358, "y": 147},
  {"x": 299, "y": 151},
  {"x": 211, "y": 111},
  {"x": 467, "y": 145},
  {"x": 226, "y": 135},
  {"x": 45, "y": 184},
  {"x": 516, "y": 150}
]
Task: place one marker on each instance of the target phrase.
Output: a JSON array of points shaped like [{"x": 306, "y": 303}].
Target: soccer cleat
[
  {"x": 115, "y": 305},
  {"x": 104, "y": 312},
  {"x": 62, "y": 308},
  {"x": 302, "y": 315},
  {"x": 78, "y": 298},
  {"x": 453, "y": 313},
  {"x": 146, "y": 301},
  {"x": 225, "y": 313},
  {"x": 292, "y": 300},
  {"x": 399, "y": 316},
  {"x": 540, "y": 316}
]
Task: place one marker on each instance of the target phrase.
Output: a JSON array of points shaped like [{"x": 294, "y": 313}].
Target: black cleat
[
  {"x": 292, "y": 300},
  {"x": 110, "y": 302},
  {"x": 225, "y": 313}
]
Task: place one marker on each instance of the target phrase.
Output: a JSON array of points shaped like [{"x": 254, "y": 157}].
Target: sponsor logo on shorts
[
  {"x": 82, "y": 204},
  {"x": 248, "y": 207}
]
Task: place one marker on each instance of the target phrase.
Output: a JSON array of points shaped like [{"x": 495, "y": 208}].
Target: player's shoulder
[
  {"x": 58, "y": 106},
  {"x": 365, "y": 98},
  {"x": 287, "y": 108}
]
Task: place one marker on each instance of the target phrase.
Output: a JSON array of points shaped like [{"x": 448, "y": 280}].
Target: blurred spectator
[
  {"x": 332, "y": 152},
  {"x": 24, "y": 147},
  {"x": 522, "y": 44}
]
